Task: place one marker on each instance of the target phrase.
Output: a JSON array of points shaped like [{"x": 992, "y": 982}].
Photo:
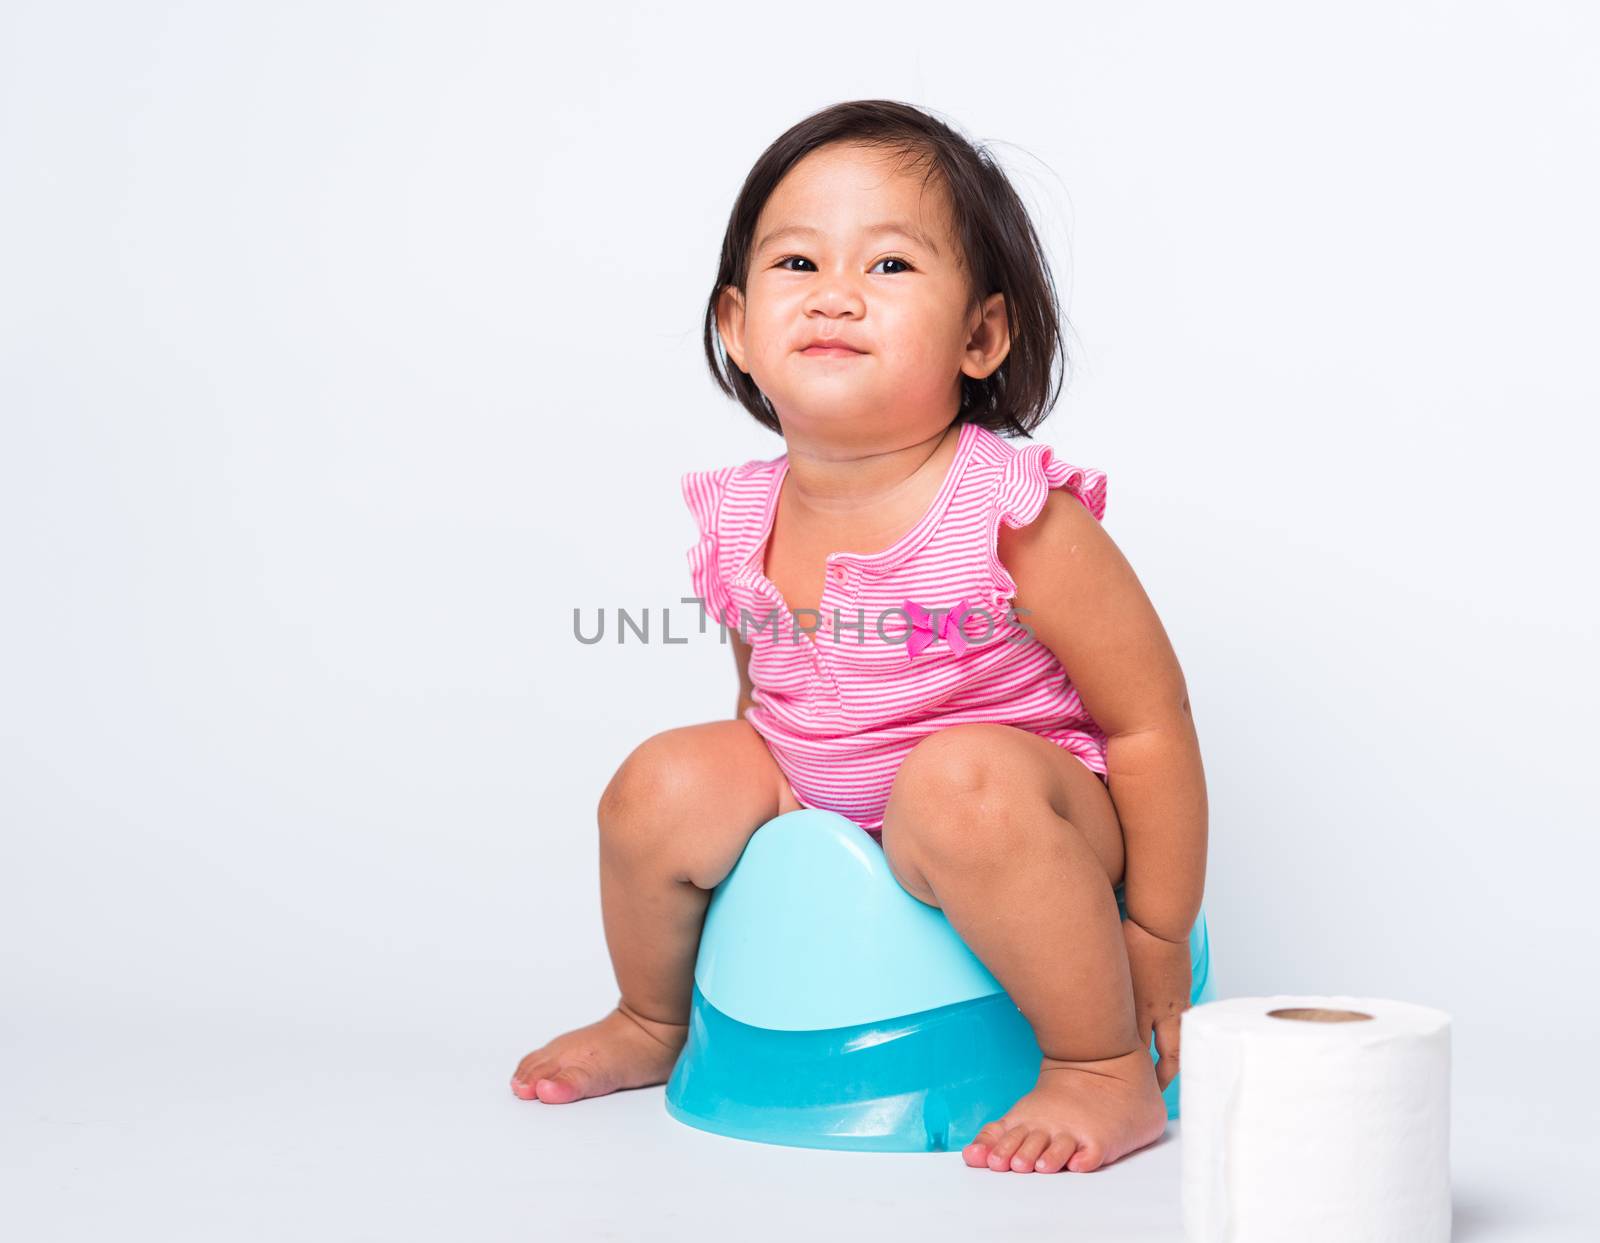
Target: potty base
[{"x": 925, "y": 1082}]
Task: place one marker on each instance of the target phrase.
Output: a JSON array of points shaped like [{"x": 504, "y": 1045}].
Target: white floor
[{"x": 177, "y": 1131}]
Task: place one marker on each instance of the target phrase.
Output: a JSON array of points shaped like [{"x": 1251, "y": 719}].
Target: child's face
[{"x": 901, "y": 300}]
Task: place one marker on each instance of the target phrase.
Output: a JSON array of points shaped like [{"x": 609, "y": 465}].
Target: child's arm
[
  {"x": 1088, "y": 607},
  {"x": 741, "y": 658}
]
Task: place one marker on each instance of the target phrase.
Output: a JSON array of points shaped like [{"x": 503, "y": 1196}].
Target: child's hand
[{"x": 1161, "y": 983}]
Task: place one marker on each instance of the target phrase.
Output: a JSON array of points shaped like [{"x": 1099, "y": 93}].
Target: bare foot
[
  {"x": 622, "y": 1050},
  {"x": 1079, "y": 1116}
]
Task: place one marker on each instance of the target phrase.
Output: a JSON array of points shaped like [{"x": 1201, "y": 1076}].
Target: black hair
[{"x": 1000, "y": 252}]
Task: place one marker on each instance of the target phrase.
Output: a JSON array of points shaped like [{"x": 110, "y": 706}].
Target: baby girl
[{"x": 884, "y": 305}]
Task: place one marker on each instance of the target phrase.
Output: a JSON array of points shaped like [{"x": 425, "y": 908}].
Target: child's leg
[
  {"x": 672, "y": 823},
  {"x": 1019, "y": 844}
]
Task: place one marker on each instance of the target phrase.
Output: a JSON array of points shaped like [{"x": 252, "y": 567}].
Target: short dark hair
[{"x": 1000, "y": 250}]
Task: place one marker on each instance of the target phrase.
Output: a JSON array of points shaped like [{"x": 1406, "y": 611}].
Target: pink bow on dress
[{"x": 923, "y": 632}]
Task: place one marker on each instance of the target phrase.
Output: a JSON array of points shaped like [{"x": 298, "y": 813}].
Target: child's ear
[
  {"x": 990, "y": 339},
  {"x": 730, "y": 324}
]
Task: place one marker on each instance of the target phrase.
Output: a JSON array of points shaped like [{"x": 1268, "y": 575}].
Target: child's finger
[{"x": 1167, "y": 1047}]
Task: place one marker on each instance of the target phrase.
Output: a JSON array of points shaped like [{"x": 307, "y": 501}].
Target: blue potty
[{"x": 831, "y": 1009}]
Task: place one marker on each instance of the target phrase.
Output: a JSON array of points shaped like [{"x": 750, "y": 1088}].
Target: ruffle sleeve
[
  {"x": 703, "y": 491},
  {"x": 1026, "y": 481}
]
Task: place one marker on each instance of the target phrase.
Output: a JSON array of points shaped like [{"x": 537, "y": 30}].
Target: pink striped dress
[{"x": 841, "y": 699}]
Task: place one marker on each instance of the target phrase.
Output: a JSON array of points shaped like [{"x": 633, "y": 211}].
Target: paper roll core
[{"x": 1310, "y": 1015}]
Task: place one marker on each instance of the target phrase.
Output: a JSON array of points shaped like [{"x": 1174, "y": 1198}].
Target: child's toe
[
  {"x": 1000, "y": 1154},
  {"x": 522, "y": 1089},
  {"x": 528, "y": 1072},
  {"x": 1089, "y": 1157},
  {"x": 1054, "y": 1157},
  {"x": 1024, "y": 1159},
  {"x": 976, "y": 1153},
  {"x": 565, "y": 1085},
  {"x": 531, "y": 1067}
]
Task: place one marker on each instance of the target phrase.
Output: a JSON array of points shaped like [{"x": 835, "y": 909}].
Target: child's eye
[{"x": 802, "y": 259}]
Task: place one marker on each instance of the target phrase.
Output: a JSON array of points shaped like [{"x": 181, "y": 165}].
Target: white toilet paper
[{"x": 1314, "y": 1125}]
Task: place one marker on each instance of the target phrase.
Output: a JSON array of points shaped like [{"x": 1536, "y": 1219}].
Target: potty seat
[{"x": 831, "y": 1009}]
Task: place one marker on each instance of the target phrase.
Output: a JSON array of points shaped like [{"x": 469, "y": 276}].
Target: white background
[{"x": 345, "y": 349}]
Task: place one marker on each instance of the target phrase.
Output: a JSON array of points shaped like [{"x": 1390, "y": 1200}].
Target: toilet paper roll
[{"x": 1315, "y": 1119}]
